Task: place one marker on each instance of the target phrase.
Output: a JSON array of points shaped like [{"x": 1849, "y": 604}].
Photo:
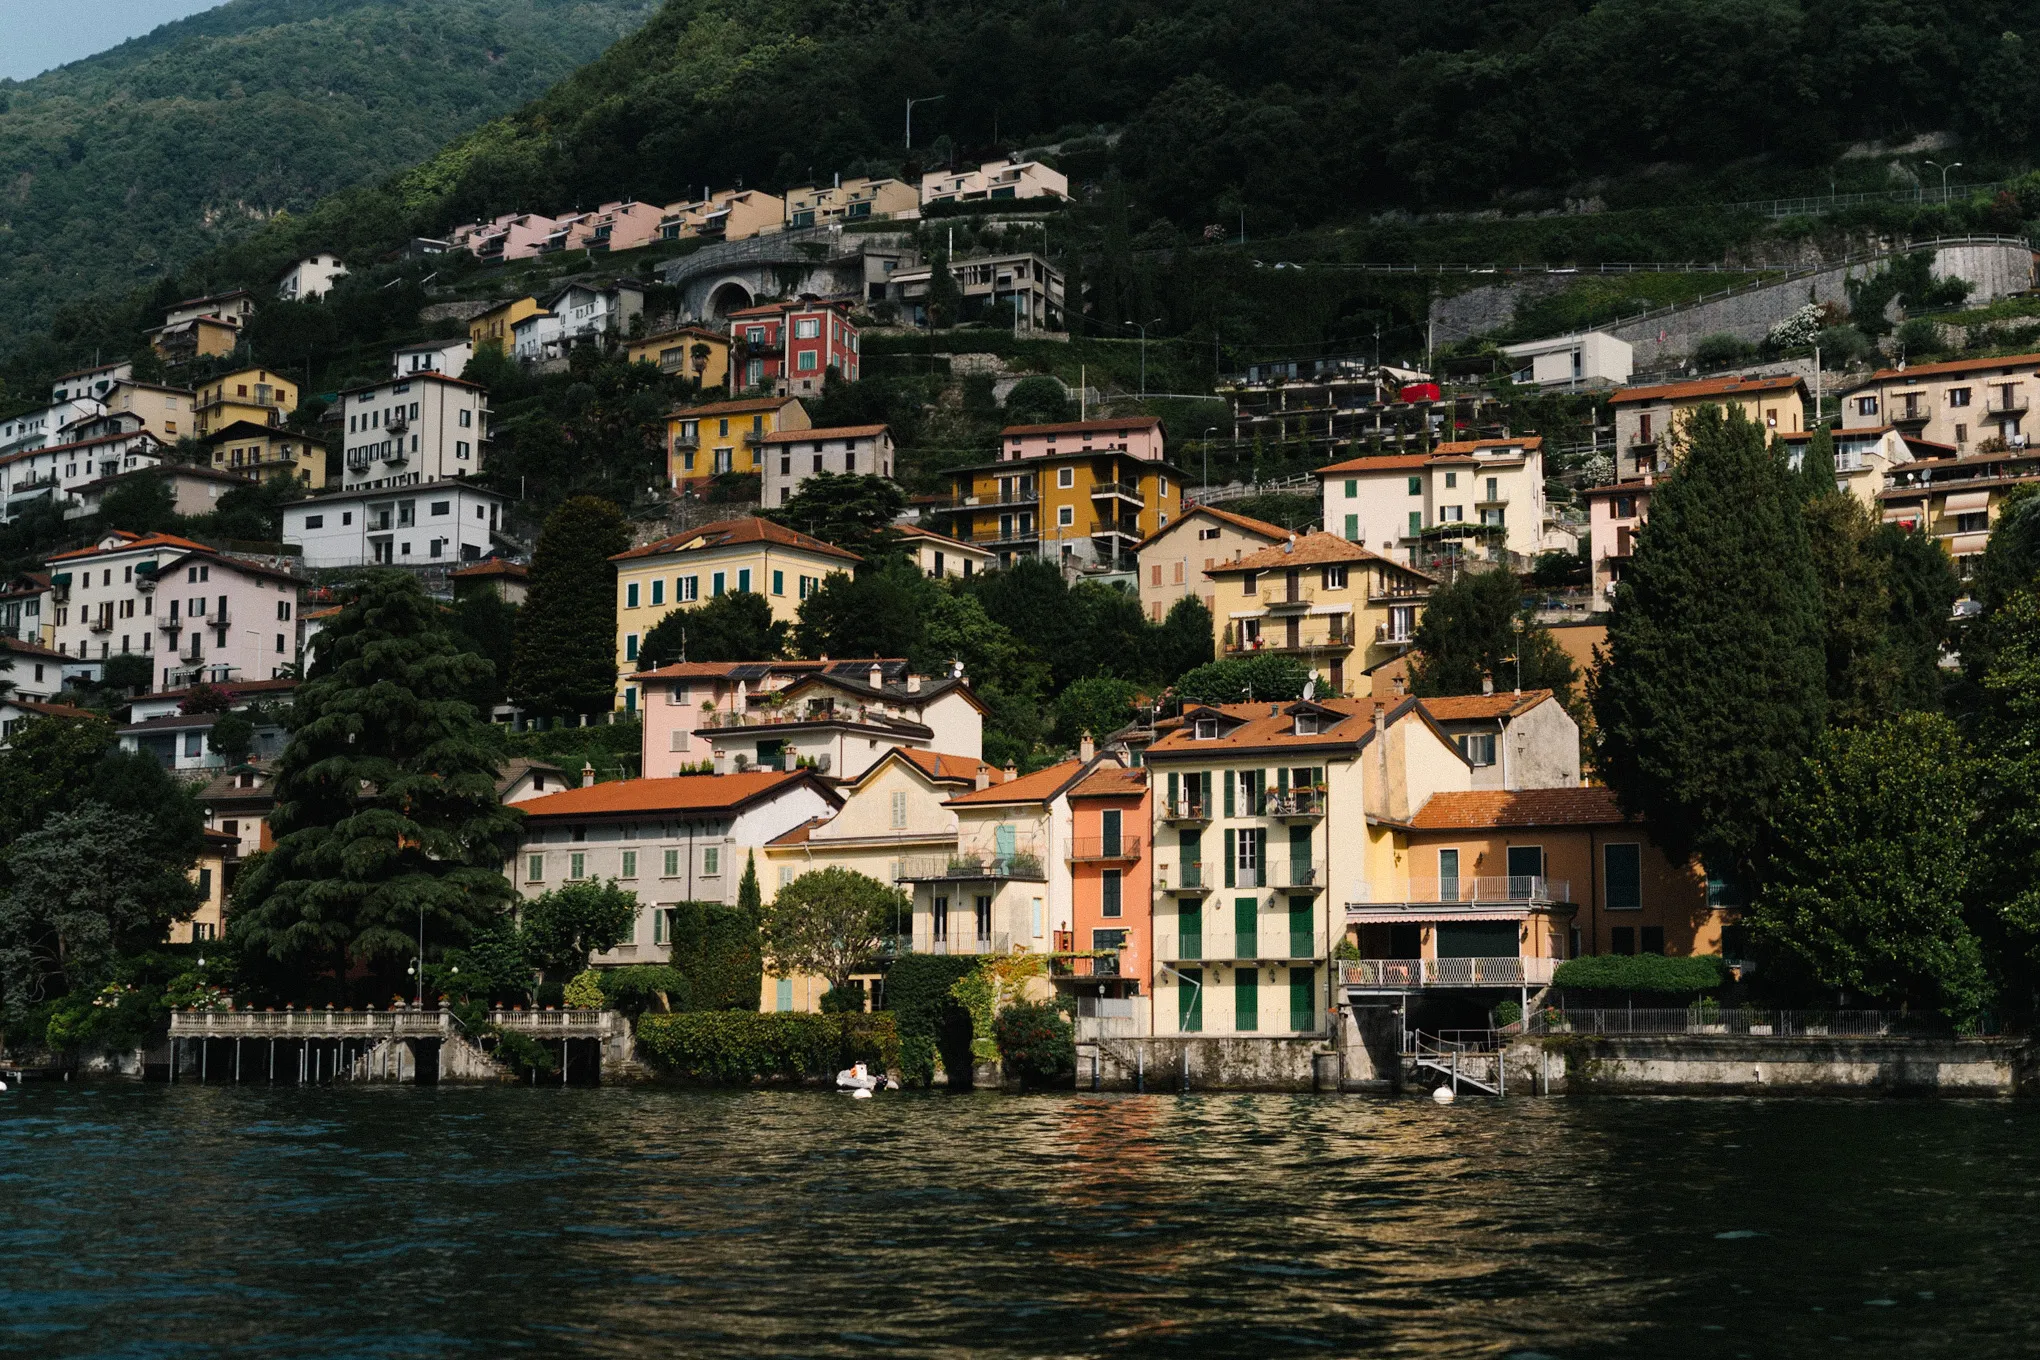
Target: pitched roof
[
  {"x": 730, "y": 408},
  {"x": 688, "y": 793},
  {"x": 1951, "y": 366},
  {"x": 1384, "y": 462},
  {"x": 944, "y": 768},
  {"x": 1083, "y": 426},
  {"x": 1310, "y": 550},
  {"x": 133, "y": 543},
  {"x": 1476, "y": 707},
  {"x": 516, "y": 767},
  {"x": 43, "y": 710},
  {"x": 799, "y": 835},
  {"x": 825, "y": 432},
  {"x": 1039, "y": 787},
  {"x": 1526, "y": 442},
  {"x": 732, "y": 533},
  {"x": 1272, "y": 724},
  {"x": 248, "y": 429},
  {"x": 1113, "y": 781},
  {"x": 1479, "y": 808},
  {"x": 495, "y": 566},
  {"x": 1253, "y": 526},
  {"x": 422, "y": 375},
  {"x": 33, "y": 649},
  {"x": 233, "y": 689},
  {"x": 1707, "y": 387},
  {"x": 915, "y": 531}
]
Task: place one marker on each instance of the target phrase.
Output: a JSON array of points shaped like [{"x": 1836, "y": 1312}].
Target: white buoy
[
  {"x": 1443, "y": 1095},
  {"x": 861, "y": 1094}
]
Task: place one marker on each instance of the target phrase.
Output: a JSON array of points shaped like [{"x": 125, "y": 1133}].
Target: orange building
[{"x": 1108, "y": 958}]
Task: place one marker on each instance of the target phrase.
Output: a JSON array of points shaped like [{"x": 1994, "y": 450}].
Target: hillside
[{"x": 120, "y": 169}]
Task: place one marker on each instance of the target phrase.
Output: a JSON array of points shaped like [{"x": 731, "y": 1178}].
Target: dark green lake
[{"x": 194, "y": 1221}]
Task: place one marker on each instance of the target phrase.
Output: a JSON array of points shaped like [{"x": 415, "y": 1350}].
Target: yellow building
[
  {"x": 1650, "y": 420},
  {"x": 253, "y": 395},
  {"x": 1333, "y": 605},
  {"x": 493, "y": 326},
  {"x": 165, "y": 412},
  {"x": 1092, "y": 505},
  {"x": 215, "y": 866},
  {"x": 689, "y": 569},
  {"x": 704, "y": 441},
  {"x": 259, "y": 452},
  {"x": 691, "y": 351}
]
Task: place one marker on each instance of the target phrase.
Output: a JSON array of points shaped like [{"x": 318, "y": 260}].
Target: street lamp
[
  {"x": 1209, "y": 430},
  {"x": 924, "y": 99},
  {"x": 1142, "y": 326},
  {"x": 1944, "y": 169}
]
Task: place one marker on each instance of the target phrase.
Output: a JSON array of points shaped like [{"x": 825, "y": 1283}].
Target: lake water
[{"x": 193, "y": 1221}]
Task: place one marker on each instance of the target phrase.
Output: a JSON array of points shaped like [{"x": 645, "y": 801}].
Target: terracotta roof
[
  {"x": 1385, "y": 462},
  {"x": 1635, "y": 488},
  {"x": 33, "y": 649},
  {"x": 230, "y": 688},
  {"x": 1083, "y": 426},
  {"x": 1038, "y": 787},
  {"x": 799, "y": 835},
  {"x": 732, "y": 533},
  {"x": 653, "y": 339},
  {"x": 135, "y": 435},
  {"x": 730, "y": 408},
  {"x": 1475, "y": 707},
  {"x": 1525, "y": 442},
  {"x": 1706, "y": 387},
  {"x": 1112, "y": 781},
  {"x": 43, "y": 710},
  {"x": 423, "y": 374},
  {"x": 1311, "y": 550},
  {"x": 917, "y": 532},
  {"x": 723, "y": 670},
  {"x": 1249, "y": 524},
  {"x": 1272, "y": 723},
  {"x": 1457, "y": 451},
  {"x": 1478, "y": 808},
  {"x": 826, "y": 432},
  {"x": 134, "y": 543},
  {"x": 495, "y": 566},
  {"x": 1951, "y": 366},
  {"x": 688, "y": 793},
  {"x": 938, "y": 766}
]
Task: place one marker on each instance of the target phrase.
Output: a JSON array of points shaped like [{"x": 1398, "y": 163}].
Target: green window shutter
[
  {"x": 1246, "y": 928},
  {"x": 1175, "y": 781},
  {"x": 1231, "y": 846},
  {"x": 1302, "y": 938},
  {"x": 1352, "y": 528},
  {"x": 1303, "y": 999},
  {"x": 1416, "y": 523},
  {"x": 1227, "y": 775},
  {"x": 1190, "y": 930},
  {"x": 1190, "y": 1000},
  {"x": 1282, "y": 782},
  {"x": 1246, "y": 999},
  {"x": 1352, "y": 487}
]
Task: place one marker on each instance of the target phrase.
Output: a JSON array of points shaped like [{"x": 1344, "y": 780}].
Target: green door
[
  {"x": 1303, "y": 999},
  {"x": 1246, "y": 999},
  {"x": 1302, "y": 938},
  {"x": 1190, "y": 930},
  {"x": 1190, "y": 853},
  {"x": 1246, "y": 928},
  {"x": 1189, "y": 1000},
  {"x": 1299, "y": 856}
]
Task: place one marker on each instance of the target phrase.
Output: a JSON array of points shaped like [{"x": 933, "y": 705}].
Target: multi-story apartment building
[
  {"x": 1582, "y": 361},
  {"x": 1481, "y": 499},
  {"x": 1867, "y": 457},
  {"x": 623, "y": 225},
  {"x": 940, "y": 556},
  {"x": 495, "y": 326},
  {"x": 792, "y": 456},
  {"x": 432, "y": 356},
  {"x": 61, "y": 473},
  {"x": 1523, "y": 739},
  {"x": 1174, "y": 559},
  {"x": 789, "y": 347},
  {"x": 1335, "y": 606},
  {"x": 587, "y": 314},
  {"x": 667, "y": 841},
  {"x": 702, "y": 442},
  {"x": 1337, "y": 404},
  {"x": 688, "y": 569},
  {"x": 1136, "y": 436},
  {"x": 1650, "y": 421},
  {"x": 1107, "y": 961},
  {"x": 1964, "y": 404},
  {"x": 724, "y": 215},
  {"x": 424, "y": 524},
  {"x": 1956, "y": 500},
  {"x": 538, "y": 337},
  {"x": 427, "y": 427},
  {"x": 45, "y": 425},
  {"x": 165, "y": 412},
  {"x": 201, "y": 614},
  {"x": 252, "y": 395},
  {"x": 681, "y": 698},
  {"x": 690, "y": 351},
  {"x": 994, "y": 180},
  {"x": 513, "y": 236},
  {"x": 93, "y": 382},
  {"x": 838, "y": 722},
  {"x": 857, "y": 199},
  {"x": 1022, "y": 291},
  {"x": 311, "y": 277},
  {"x": 234, "y": 308},
  {"x": 1081, "y": 506},
  {"x": 259, "y": 452}
]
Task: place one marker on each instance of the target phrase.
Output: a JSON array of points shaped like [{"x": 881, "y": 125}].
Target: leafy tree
[
  {"x": 1475, "y": 629},
  {"x": 1183, "y": 642},
  {"x": 232, "y": 737},
  {"x": 1870, "y": 866},
  {"x": 495, "y": 964},
  {"x": 564, "y": 658},
  {"x": 2007, "y": 855},
  {"x": 563, "y": 927},
  {"x": 141, "y": 504},
  {"x": 828, "y": 923},
  {"x": 204, "y": 698},
  {"x": 853, "y": 512},
  {"x": 959, "y": 629},
  {"x": 386, "y": 821},
  {"x": 1039, "y": 400},
  {"x": 735, "y": 627},
  {"x": 88, "y": 886},
  {"x": 1099, "y": 706},
  {"x": 945, "y": 299},
  {"x": 1714, "y": 683},
  {"x": 878, "y": 612},
  {"x": 1920, "y": 584},
  {"x": 1036, "y": 1043},
  {"x": 1233, "y": 680},
  {"x": 130, "y": 672}
]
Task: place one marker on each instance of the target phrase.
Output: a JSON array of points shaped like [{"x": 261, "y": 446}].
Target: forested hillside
[{"x": 126, "y": 166}]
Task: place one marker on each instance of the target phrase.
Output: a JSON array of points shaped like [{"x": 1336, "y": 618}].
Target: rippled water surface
[{"x": 186, "y": 1221}]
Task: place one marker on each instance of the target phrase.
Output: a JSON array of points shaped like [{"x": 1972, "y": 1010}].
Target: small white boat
[{"x": 861, "y": 1082}]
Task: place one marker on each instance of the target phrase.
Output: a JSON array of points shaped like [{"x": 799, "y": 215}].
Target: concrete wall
[
  {"x": 1214, "y": 1063},
  {"x": 1710, "y": 1064}
]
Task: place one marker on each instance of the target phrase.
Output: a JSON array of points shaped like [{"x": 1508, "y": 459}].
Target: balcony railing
[
  {"x": 1489, "y": 972},
  {"x": 1294, "y": 874},
  {"x": 1104, "y": 964},
  {"x": 1287, "y": 596},
  {"x": 1184, "y": 878},
  {"x": 1017, "y": 534},
  {"x": 1186, "y": 810},
  {"x": 1297, "y": 805},
  {"x": 1105, "y": 528},
  {"x": 966, "y": 941},
  {"x": 101, "y": 624},
  {"x": 1022, "y": 496},
  {"x": 1124, "y": 490},
  {"x": 1389, "y": 634},
  {"x": 1271, "y": 940},
  {"x": 2007, "y": 405},
  {"x": 1534, "y": 889},
  {"x": 1101, "y": 849},
  {"x": 974, "y": 866}
]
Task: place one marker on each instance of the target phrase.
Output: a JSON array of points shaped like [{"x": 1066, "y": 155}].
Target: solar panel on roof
[{"x": 751, "y": 670}]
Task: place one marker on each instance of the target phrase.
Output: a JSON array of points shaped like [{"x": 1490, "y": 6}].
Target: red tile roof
[
  {"x": 730, "y": 408},
  {"x": 826, "y": 432},
  {"x": 732, "y": 533},
  {"x": 495, "y": 566},
  {"x": 1253, "y": 526},
  {"x": 1038, "y": 787},
  {"x": 1083, "y": 426},
  {"x": 1383, "y": 462},
  {"x": 947, "y": 768},
  {"x": 1270, "y": 724},
  {"x": 1481, "y": 808},
  {"x": 133, "y": 543},
  {"x": 1112, "y": 781},
  {"x": 1707, "y": 387},
  {"x": 1475, "y": 707},
  {"x": 1951, "y": 366},
  {"x": 688, "y": 793},
  {"x": 1310, "y": 550}
]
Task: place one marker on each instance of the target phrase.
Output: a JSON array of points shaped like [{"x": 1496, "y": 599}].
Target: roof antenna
[{"x": 683, "y": 644}]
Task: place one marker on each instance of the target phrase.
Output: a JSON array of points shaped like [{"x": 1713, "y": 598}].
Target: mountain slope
[{"x": 122, "y": 167}]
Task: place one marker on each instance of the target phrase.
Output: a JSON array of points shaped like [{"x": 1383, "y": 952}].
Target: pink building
[
  {"x": 789, "y": 347},
  {"x": 1615, "y": 515},
  {"x": 618, "y": 226},
  {"x": 519, "y": 236},
  {"x": 1137, "y": 436},
  {"x": 681, "y": 698}
]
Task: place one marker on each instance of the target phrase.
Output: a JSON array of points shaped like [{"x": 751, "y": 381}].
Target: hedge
[
  {"x": 931, "y": 1022},
  {"x": 736, "y": 1048},
  {"x": 1640, "y": 973},
  {"x": 716, "y": 948}
]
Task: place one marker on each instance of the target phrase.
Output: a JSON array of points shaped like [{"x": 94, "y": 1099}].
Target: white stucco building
[
  {"x": 423, "y": 427},
  {"x": 441, "y": 523}
]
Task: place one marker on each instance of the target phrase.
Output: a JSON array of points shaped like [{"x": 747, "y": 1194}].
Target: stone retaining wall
[{"x": 1721, "y": 1064}]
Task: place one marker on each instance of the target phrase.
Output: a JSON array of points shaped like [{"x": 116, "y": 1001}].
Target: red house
[{"x": 787, "y": 348}]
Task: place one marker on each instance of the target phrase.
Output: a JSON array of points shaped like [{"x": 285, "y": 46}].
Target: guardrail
[
  {"x": 395, "y": 1023},
  {"x": 1426, "y": 892},
  {"x": 1742, "y": 1021},
  {"x": 1479, "y": 972}
]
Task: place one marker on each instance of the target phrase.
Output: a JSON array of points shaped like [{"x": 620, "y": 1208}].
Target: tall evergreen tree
[
  {"x": 564, "y": 658},
  {"x": 1855, "y": 605},
  {"x": 386, "y": 819},
  {"x": 1816, "y": 476},
  {"x": 1713, "y": 687},
  {"x": 1920, "y": 586}
]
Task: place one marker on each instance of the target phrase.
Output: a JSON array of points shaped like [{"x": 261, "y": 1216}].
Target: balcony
[
  {"x": 1398, "y": 974},
  {"x": 394, "y": 453},
  {"x": 1298, "y": 805},
  {"x": 170, "y": 624},
  {"x": 925, "y": 941},
  {"x": 1273, "y": 941},
  {"x": 1026, "y": 495},
  {"x": 1284, "y": 598},
  {"x": 101, "y": 623},
  {"x": 1910, "y": 415},
  {"x": 2007, "y": 405},
  {"x": 1185, "y": 880},
  {"x": 1334, "y": 639},
  {"x": 1186, "y": 812},
  {"x": 1389, "y": 635},
  {"x": 1105, "y": 528},
  {"x": 1294, "y": 876},
  {"x": 1104, "y": 965},
  {"x": 994, "y": 535},
  {"x": 1125, "y": 491},
  {"x": 1104, "y": 850},
  {"x": 1426, "y": 894},
  {"x": 974, "y": 866}
]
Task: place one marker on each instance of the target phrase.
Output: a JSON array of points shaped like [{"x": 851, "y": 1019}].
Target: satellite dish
[{"x": 1310, "y": 686}]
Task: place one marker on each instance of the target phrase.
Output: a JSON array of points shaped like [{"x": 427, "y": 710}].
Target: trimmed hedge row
[
  {"x": 931, "y": 1022},
  {"x": 1640, "y": 973},
  {"x": 736, "y": 1048}
]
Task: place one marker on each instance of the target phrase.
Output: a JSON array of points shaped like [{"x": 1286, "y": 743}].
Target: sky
[{"x": 38, "y": 34}]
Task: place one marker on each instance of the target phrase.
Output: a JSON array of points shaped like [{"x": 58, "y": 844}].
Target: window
[
  {"x": 1065, "y": 516},
  {"x": 1066, "y": 477},
  {"x": 899, "y": 810},
  {"x": 630, "y": 643},
  {"x": 630, "y": 595},
  {"x": 1246, "y": 999},
  {"x": 809, "y": 361},
  {"x": 1335, "y": 578},
  {"x": 1451, "y": 514},
  {"x": 577, "y": 865},
  {"x": 807, "y": 328},
  {"x": 1623, "y": 871},
  {"x": 442, "y": 507},
  {"x": 1207, "y": 730},
  {"x": 1416, "y": 523},
  {"x": 1477, "y": 747},
  {"x": 658, "y": 590},
  {"x": 1109, "y": 901},
  {"x": 1866, "y": 406},
  {"x": 672, "y": 865},
  {"x": 810, "y": 584},
  {"x": 315, "y": 521},
  {"x": 1958, "y": 396},
  {"x": 1451, "y": 480},
  {"x": 778, "y": 582},
  {"x": 1651, "y": 940},
  {"x": 629, "y": 869},
  {"x": 1622, "y": 940},
  {"x": 1448, "y": 875},
  {"x": 1206, "y": 534},
  {"x": 716, "y": 586},
  {"x": 711, "y": 861},
  {"x": 467, "y": 419},
  {"x": 686, "y": 589},
  {"x": 744, "y": 579}
]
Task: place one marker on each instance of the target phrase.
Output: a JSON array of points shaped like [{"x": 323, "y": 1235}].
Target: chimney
[
  {"x": 1380, "y": 718},
  {"x": 984, "y": 776},
  {"x": 1290, "y": 546},
  {"x": 877, "y": 676},
  {"x": 722, "y": 762},
  {"x": 1402, "y": 686},
  {"x": 1012, "y": 770},
  {"x": 587, "y": 775},
  {"x": 1086, "y": 748},
  {"x": 1487, "y": 684},
  {"x": 913, "y": 684}
]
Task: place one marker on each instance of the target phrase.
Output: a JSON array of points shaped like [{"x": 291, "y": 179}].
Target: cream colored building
[
  {"x": 994, "y": 180},
  {"x": 1867, "y": 458},
  {"x": 1963, "y": 404},
  {"x": 1650, "y": 420},
  {"x": 1481, "y": 499},
  {"x": 838, "y": 722},
  {"x": 254, "y": 395},
  {"x": 1174, "y": 559},
  {"x": 942, "y": 557},
  {"x": 1335, "y": 606},
  {"x": 857, "y": 199},
  {"x": 169, "y": 413}
]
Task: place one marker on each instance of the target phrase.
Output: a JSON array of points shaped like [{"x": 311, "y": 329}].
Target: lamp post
[
  {"x": 1142, "y": 326},
  {"x": 1209, "y": 430},
  {"x": 924, "y": 99},
  {"x": 1944, "y": 169}
]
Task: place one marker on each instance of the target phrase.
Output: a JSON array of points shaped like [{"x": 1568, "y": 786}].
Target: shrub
[
  {"x": 584, "y": 991},
  {"x": 716, "y": 949},
  {"x": 932, "y": 1024},
  {"x": 1036, "y": 1043},
  {"x": 640, "y": 987},
  {"x": 1640, "y": 973},
  {"x": 1722, "y": 351},
  {"x": 736, "y": 1048}
]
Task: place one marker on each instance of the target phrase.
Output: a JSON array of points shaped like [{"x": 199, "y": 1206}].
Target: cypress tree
[
  {"x": 563, "y": 660},
  {"x": 1713, "y": 686},
  {"x": 386, "y": 807},
  {"x": 1817, "y": 466}
]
